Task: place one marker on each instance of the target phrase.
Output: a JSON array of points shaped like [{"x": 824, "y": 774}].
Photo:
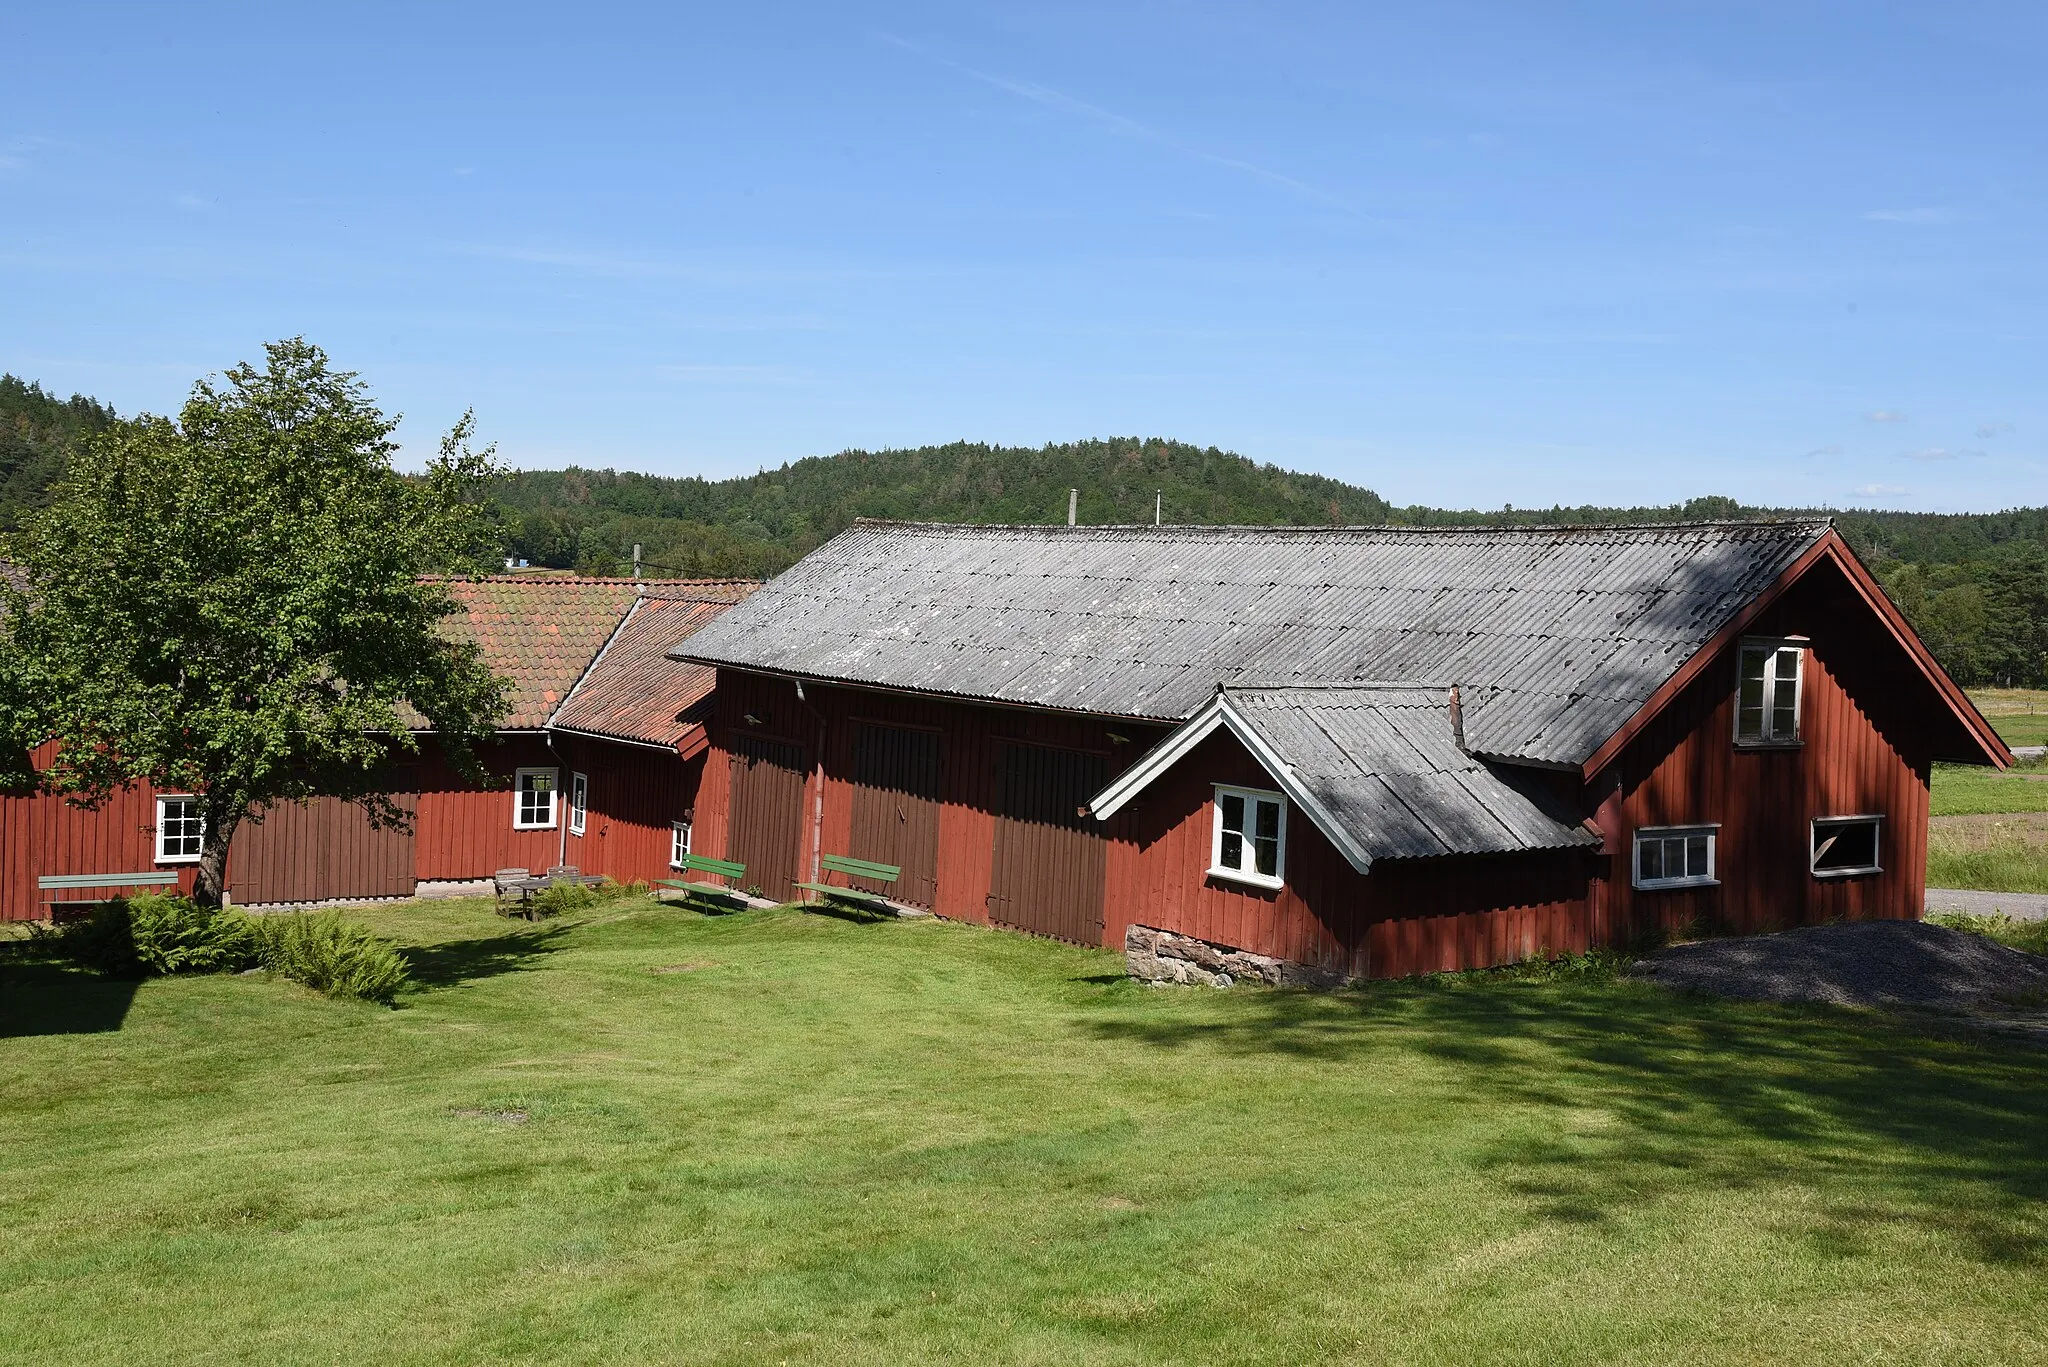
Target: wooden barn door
[
  {"x": 767, "y": 814},
  {"x": 322, "y": 849},
  {"x": 1049, "y": 859},
  {"x": 896, "y": 809}
]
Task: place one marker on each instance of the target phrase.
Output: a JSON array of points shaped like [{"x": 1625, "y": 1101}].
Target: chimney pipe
[
  {"x": 1073, "y": 505},
  {"x": 1158, "y": 502},
  {"x": 636, "y": 560}
]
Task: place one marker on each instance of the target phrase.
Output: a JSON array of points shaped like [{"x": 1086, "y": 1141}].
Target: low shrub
[
  {"x": 562, "y": 898},
  {"x": 174, "y": 934},
  {"x": 155, "y": 933},
  {"x": 330, "y": 955}
]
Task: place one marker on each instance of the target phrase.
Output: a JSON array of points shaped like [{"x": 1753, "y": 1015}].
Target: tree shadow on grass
[
  {"x": 1887, "y": 1123},
  {"x": 42, "y": 998},
  {"x": 458, "y": 961}
]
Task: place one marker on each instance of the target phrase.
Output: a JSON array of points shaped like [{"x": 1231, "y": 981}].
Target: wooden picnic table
[{"x": 528, "y": 887}]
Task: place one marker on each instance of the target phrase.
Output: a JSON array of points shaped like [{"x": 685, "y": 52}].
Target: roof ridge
[
  {"x": 1403, "y": 528},
  {"x": 572, "y": 579}
]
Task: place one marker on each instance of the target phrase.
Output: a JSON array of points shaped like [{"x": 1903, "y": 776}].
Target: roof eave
[{"x": 1828, "y": 546}]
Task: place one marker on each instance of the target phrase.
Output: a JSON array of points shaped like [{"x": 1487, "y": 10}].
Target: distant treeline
[
  {"x": 37, "y": 431},
  {"x": 1974, "y": 584}
]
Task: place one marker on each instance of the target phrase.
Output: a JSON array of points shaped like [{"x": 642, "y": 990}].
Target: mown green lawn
[{"x": 922, "y": 1142}]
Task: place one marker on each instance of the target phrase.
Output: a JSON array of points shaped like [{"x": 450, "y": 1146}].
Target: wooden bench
[
  {"x": 856, "y": 897},
  {"x": 720, "y": 868},
  {"x": 72, "y": 908}
]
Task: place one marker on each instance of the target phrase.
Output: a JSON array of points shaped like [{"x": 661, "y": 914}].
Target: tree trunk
[{"x": 210, "y": 888}]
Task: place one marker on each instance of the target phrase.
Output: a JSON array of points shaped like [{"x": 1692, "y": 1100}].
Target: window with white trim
[
  {"x": 579, "y": 802},
  {"x": 1675, "y": 857},
  {"x": 180, "y": 830},
  {"x": 533, "y": 799},
  {"x": 1767, "y": 693},
  {"x": 1248, "y": 842},
  {"x": 1847, "y": 845},
  {"x": 678, "y": 843}
]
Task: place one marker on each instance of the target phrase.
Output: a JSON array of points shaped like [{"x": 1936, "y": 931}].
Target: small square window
[
  {"x": 1767, "y": 693},
  {"x": 1847, "y": 845},
  {"x": 1675, "y": 857},
  {"x": 678, "y": 844},
  {"x": 579, "y": 802},
  {"x": 533, "y": 799},
  {"x": 180, "y": 830},
  {"x": 1249, "y": 841}
]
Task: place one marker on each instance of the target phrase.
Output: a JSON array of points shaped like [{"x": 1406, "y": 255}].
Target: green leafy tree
[{"x": 235, "y": 604}]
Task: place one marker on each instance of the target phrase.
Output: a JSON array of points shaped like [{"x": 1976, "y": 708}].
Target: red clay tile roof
[
  {"x": 542, "y": 631},
  {"x": 634, "y": 691}
]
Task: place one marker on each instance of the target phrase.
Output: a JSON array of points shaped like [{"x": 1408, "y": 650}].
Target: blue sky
[{"x": 1464, "y": 254}]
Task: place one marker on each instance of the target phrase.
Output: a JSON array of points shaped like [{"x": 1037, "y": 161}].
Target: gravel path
[
  {"x": 2021, "y": 906},
  {"x": 1864, "y": 963}
]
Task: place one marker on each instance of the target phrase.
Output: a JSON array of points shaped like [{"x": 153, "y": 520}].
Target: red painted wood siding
[
  {"x": 466, "y": 832},
  {"x": 969, "y": 768},
  {"x": 1406, "y": 916},
  {"x": 47, "y": 835},
  {"x": 1866, "y": 749},
  {"x": 635, "y": 795}
]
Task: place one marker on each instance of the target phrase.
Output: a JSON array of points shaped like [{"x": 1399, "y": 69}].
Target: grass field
[
  {"x": 2020, "y": 715},
  {"x": 649, "y": 1136}
]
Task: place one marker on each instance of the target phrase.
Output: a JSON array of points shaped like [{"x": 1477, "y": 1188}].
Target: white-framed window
[
  {"x": 678, "y": 843},
  {"x": 579, "y": 802},
  {"x": 533, "y": 799},
  {"x": 1847, "y": 845},
  {"x": 1248, "y": 841},
  {"x": 1675, "y": 856},
  {"x": 1767, "y": 692},
  {"x": 180, "y": 830}
]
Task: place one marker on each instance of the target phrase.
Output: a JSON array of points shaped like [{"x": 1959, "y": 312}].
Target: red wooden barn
[
  {"x": 1367, "y": 751},
  {"x": 595, "y": 766}
]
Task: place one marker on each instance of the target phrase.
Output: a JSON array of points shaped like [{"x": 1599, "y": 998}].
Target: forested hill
[
  {"x": 759, "y": 523},
  {"x": 37, "y": 430},
  {"x": 1975, "y": 585}
]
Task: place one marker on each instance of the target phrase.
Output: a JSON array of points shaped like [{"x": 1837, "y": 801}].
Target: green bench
[
  {"x": 855, "y": 897},
  {"x": 722, "y": 868}
]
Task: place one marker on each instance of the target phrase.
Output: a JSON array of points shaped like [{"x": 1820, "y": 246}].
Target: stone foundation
[{"x": 1160, "y": 956}]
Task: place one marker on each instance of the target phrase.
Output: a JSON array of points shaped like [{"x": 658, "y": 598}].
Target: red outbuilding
[
  {"x": 595, "y": 766},
  {"x": 1351, "y": 752}
]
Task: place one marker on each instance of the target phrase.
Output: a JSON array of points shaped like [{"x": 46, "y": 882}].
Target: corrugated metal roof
[
  {"x": 1382, "y": 761},
  {"x": 1555, "y": 634},
  {"x": 633, "y": 691}
]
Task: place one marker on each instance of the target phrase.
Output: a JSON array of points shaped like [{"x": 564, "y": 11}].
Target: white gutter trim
[
  {"x": 1220, "y": 713},
  {"x": 609, "y": 740}
]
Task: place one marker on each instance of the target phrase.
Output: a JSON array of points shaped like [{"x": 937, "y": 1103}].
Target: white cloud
[
  {"x": 1880, "y": 490},
  {"x": 1993, "y": 429},
  {"x": 1831, "y": 449},
  {"x": 1935, "y": 453},
  {"x": 1927, "y": 218},
  {"x": 1886, "y": 415}
]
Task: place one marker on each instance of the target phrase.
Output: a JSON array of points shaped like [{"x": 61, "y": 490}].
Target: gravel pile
[{"x": 1865, "y": 963}]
